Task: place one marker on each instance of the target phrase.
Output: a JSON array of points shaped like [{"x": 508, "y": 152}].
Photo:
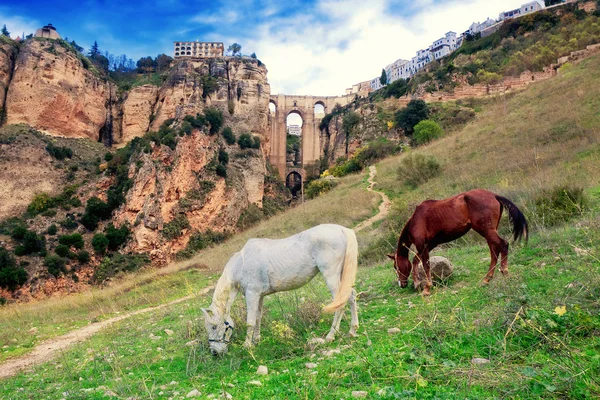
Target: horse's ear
[
  {"x": 207, "y": 313},
  {"x": 392, "y": 256}
]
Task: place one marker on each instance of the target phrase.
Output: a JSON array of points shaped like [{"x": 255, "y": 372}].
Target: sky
[{"x": 310, "y": 47}]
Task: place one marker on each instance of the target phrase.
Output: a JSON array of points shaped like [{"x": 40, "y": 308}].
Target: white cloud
[
  {"x": 325, "y": 49},
  {"x": 17, "y": 25}
]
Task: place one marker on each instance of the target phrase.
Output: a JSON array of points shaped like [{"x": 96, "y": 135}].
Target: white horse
[{"x": 266, "y": 266}]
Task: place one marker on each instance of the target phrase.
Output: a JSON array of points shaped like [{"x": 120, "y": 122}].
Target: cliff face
[
  {"x": 137, "y": 111},
  {"x": 8, "y": 54},
  {"x": 52, "y": 91}
]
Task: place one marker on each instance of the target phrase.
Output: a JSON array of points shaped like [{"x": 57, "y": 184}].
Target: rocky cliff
[
  {"x": 8, "y": 54},
  {"x": 57, "y": 91}
]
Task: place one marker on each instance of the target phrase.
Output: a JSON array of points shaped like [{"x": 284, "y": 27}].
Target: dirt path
[
  {"x": 48, "y": 349},
  {"x": 384, "y": 207}
]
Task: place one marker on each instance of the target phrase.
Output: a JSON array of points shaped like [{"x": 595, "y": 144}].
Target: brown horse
[{"x": 441, "y": 221}]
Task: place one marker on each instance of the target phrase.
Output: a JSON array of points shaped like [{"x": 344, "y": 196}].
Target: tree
[
  {"x": 146, "y": 65},
  {"x": 94, "y": 51},
  {"x": 253, "y": 55},
  {"x": 349, "y": 122},
  {"x": 5, "y": 31},
  {"x": 415, "y": 112},
  {"x": 426, "y": 131},
  {"x": 162, "y": 62},
  {"x": 383, "y": 78},
  {"x": 235, "y": 49}
]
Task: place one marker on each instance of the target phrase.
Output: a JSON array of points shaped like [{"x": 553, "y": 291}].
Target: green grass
[{"x": 535, "y": 355}]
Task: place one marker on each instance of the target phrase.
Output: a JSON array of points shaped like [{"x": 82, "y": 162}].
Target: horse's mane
[{"x": 404, "y": 241}]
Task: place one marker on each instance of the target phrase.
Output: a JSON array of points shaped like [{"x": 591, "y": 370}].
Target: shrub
[
  {"x": 228, "y": 135},
  {"x": 83, "y": 257},
  {"x": 62, "y": 250},
  {"x": 108, "y": 156},
  {"x": 56, "y": 265},
  {"x": 197, "y": 122},
  {"x": 377, "y": 150},
  {"x": 250, "y": 216},
  {"x": 415, "y": 112},
  {"x": 11, "y": 275},
  {"x": 199, "y": 241},
  {"x": 319, "y": 186},
  {"x": 60, "y": 153},
  {"x": 18, "y": 232},
  {"x": 31, "y": 243},
  {"x": 559, "y": 204},
  {"x": 74, "y": 240},
  {"x": 426, "y": 131},
  {"x": 223, "y": 157},
  {"x": 186, "y": 128},
  {"x": 221, "y": 171},
  {"x": 95, "y": 211},
  {"x": 99, "y": 243},
  {"x": 68, "y": 223},
  {"x": 52, "y": 230},
  {"x": 416, "y": 169},
  {"x": 245, "y": 141},
  {"x": 41, "y": 202},
  {"x": 111, "y": 266},
  {"x": 116, "y": 237},
  {"x": 214, "y": 116},
  {"x": 174, "y": 228}
]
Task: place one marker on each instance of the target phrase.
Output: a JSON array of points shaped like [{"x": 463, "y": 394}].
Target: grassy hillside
[{"x": 539, "y": 328}]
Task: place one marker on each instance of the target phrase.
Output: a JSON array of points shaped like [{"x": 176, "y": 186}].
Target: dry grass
[{"x": 347, "y": 205}]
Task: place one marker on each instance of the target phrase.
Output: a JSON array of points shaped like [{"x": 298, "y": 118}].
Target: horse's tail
[
  {"x": 516, "y": 217},
  {"x": 348, "y": 273}
]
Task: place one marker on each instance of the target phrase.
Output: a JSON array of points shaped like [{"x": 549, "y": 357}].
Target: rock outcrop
[
  {"x": 138, "y": 111},
  {"x": 52, "y": 91},
  {"x": 8, "y": 55}
]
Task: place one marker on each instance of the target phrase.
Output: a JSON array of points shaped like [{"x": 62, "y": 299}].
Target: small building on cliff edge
[{"x": 47, "y": 31}]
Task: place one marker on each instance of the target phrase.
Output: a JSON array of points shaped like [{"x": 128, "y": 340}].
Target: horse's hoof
[
  {"x": 353, "y": 333},
  {"x": 330, "y": 338},
  {"x": 426, "y": 292},
  {"x": 486, "y": 281}
]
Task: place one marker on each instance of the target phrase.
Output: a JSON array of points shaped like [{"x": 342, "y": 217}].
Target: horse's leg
[
  {"x": 333, "y": 284},
  {"x": 256, "y": 337},
  {"x": 415, "y": 271},
  {"x": 335, "y": 325},
  {"x": 498, "y": 248},
  {"x": 354, "y": 313},
  {"x": 425, "y": 261},
  {"x": 252, "y": 306},
  {"x": 504, "y": 257}
]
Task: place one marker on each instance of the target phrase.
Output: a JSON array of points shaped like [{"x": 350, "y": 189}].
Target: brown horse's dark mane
[{"x": 404, "y": 242}]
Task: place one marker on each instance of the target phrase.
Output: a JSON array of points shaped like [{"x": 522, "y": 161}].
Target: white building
[
  {"x": 527, "y": 8},
  {"x": 376, "y": 84},
  {"x": 477, "y": 27},
  {"x": 444, "y": 46},
  {"x": 198, "y": 49},
  {"x": 295, "y": 130}
]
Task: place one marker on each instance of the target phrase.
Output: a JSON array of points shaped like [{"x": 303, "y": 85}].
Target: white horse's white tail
[{"x": 348, "y": 273}]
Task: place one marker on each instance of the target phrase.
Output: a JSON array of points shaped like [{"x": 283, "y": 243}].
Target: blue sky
[{"x": 316, "y": 47}]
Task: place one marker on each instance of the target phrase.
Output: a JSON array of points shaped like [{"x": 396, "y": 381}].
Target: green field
[{"x": 539, "y": 328}]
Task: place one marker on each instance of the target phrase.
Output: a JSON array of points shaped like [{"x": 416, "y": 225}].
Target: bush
[
  {"x": 416, "y": 169},
  {"x": 52, "y": 230},
  {"x": 18, "y": 232},
  {"x": 250, "y": 216},
  {"x": 11, "y": 275},
  {"x": 223, "y": 157},
  {"x": 245, "y": 141},
  {"x": 221, "y": 171},
  {"x": 415, "y": 112},
  {"x": 108, "y": 156},
  {"x": 95, "y": 211},
  {"x": 31, "y": 243},
  {"x": 74, "y": 240},
  {"x": 60, "y": 153},
  {"x": 111, "y": 266},
  {"x": 214, "y": 116},
  {"x": 318, "y": 187},
  {"x": 174, "y": 228},
  {"x": 228, "y": 135},
  {"x": 100, "y": 243},
  {"x": 69, "y": 222},
  {"x": 116, "y": 237},
  {"x": 40, "y": 203},
  {"x": 199, "y": 241},
  {"x": 559, "y": 204},
  {"x": 377, "y": 150},
  {"x": 62, "y": 250},
  {"x": 56, "y": 265},
  {"x": 83, "y": 257},
  {"x": 197, "y": 122},
  {"x": 426, "y": 131}
]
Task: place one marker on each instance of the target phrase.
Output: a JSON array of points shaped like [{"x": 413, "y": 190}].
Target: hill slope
[{"x": 538, "y": 328}]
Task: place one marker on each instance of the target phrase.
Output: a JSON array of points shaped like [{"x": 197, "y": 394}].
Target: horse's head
[
  {"x": 219, "y": 330},
  {"x": 402, "y": 266}
]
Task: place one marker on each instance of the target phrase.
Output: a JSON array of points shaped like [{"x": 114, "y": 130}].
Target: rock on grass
[{"x": 262, "y": 370}]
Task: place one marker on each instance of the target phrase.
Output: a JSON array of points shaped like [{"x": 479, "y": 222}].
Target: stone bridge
[{"x": 281, "y": 107}]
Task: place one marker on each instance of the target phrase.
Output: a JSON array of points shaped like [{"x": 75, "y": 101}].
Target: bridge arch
[
  {"x": 294, "y": 182},
  {"x": 306, "y": 107}
]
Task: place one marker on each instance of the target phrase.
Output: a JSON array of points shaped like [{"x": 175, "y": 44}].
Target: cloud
[
  {"x": 334, "y": 44},
  {"x": 18, "y": 25}
]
